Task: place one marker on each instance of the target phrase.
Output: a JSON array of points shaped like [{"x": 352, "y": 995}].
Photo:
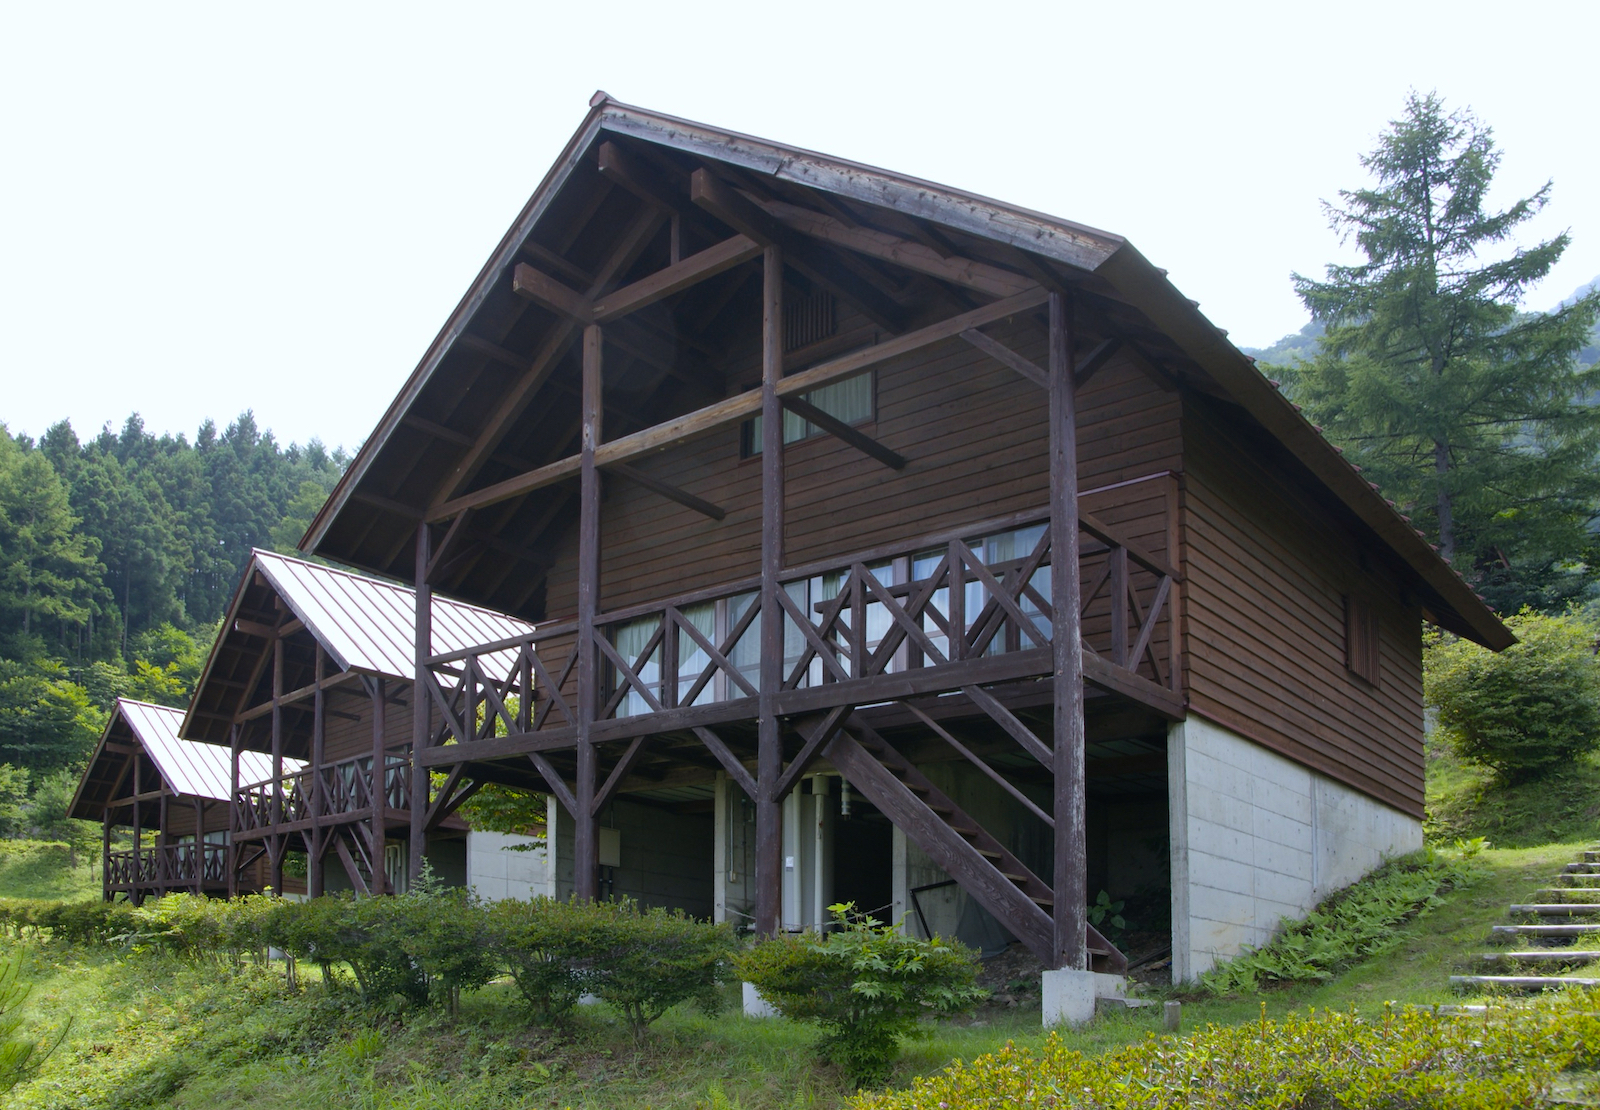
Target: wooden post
[
  {"x": 105, "y": 853},
  {"x": 769, "y": 751},
  {"x": 421, "y": 707},
  {"x": 375, "y": 836},
  {"x": 163, "y": 843},
  {"x": 319, "y": 718},
  {"x": 135, "y": 873},
  {"x": 277, "y": 764},
  {"x": 1071, "y": 858},
  {"x": 585, "y": 853},
  {"x": 199, "y": 856},
  {"x": 233, "y": 817}
]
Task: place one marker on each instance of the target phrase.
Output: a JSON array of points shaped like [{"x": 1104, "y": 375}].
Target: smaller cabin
[
  {"x": 310, "y": 682},
  {"x": 172, "y": 795}
]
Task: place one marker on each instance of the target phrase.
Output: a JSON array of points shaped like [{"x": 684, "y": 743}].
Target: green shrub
[
  {"x": 89, "y": 922},
  {"x": 363, "y": 933},
  {"x": 643, "y": 962},
  {"x": 444, "y": 932},
  {"x": 865, "y": 985},
  {"x": 1357, "y": 922},
  {"x": 21, "y": 1057},
  {"x": 548, "y": 948},
  {"x": 1407, "y": 1060},
  {"x": 653, "y": 959},
  {"x": 1525, "y": 711}
]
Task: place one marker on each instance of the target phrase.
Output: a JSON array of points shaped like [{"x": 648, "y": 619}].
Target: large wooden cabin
[
  {"x": 309, "y": 687},
  {"x": 172, "y": 795},
  {"x": 889, "y": 541}
]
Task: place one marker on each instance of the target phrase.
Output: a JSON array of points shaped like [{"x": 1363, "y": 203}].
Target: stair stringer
[{"x": 946, "y": 847}]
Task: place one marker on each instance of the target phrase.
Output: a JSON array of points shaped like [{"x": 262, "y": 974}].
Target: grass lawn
[
  {"x": 154, "y": 1031},
  {"x": 48, "y": 870},
  {"x": 1463, "y": 800}
]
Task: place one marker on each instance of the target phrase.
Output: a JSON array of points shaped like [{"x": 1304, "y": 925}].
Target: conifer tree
[{"x": 1471, "y": 415}]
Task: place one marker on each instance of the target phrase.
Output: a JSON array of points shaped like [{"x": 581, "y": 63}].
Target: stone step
[
  {"x": 1568, "y": 893},
  {"x": 1520, "y": 982},
  {"x": 1590, "y": 857},
  {"x": 1566, "y": 909},
  {"x": 1559, "y": 956},
  {"x": 1567, "y": 933},
  {"x": 1581, "y": 869}
]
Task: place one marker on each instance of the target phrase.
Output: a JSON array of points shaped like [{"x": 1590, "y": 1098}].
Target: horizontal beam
[
  {"x": 295, "y": 695},
  {"x": 545, "y": 290},
  {"x": 699, "y": 267},
  {"x": 740, "y": 407},
  {"x": 1006, "y": 356}
]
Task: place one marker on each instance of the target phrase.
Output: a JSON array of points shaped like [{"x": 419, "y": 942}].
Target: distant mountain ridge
[{"x": 1302, "y": 344}]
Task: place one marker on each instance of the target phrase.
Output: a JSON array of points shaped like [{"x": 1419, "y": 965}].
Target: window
[
  {"x": 850, "y": 401},
  {"x": 1361, "y": 638}
]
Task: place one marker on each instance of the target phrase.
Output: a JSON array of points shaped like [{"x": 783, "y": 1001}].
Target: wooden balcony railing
[
  {"x": 346, "y": 790},
  {"x": 171, "y": 865},
  {"x": 944, "y": 612}
]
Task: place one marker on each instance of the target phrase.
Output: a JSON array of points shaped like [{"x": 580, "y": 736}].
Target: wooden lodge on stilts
[
  {"x": 173, "y": 796},
  {"x": 307, "y": 693},
  {"x": 879, "y": 542}
]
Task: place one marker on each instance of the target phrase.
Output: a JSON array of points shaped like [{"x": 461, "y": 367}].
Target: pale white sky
[{"x": 212, "y": 207}]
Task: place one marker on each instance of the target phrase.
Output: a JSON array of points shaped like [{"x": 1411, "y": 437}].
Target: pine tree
[{"x": 1474, "y": 417}]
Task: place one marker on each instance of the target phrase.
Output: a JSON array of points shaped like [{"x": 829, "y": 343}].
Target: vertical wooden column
[
  {"x": 585, "y": 838},
  {"x": 163, "y": 843},
  {"x": 769, "y": 752},
  {"x": 136, "y": 873},
  {"x": 233, "y": 816},
  {"x": 421, "y": 706},
  {"x": 199, "y": 862},
  {"x": 105, "y": 853},
  {"x": 1069, "y": 880},
  {"x": 315, "y": 844},
  {"x": 277, "y": 765},
  {"x": 375, "y": 835}
]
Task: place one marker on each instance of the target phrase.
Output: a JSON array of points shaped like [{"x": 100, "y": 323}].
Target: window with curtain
[
  {"x": 849, "y": 401},
  {"x": 630, "y": 639},
  {"x": 692, "y": 658}
]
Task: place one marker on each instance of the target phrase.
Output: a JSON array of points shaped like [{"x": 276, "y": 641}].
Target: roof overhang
[{"x": 1448, "y": 600}]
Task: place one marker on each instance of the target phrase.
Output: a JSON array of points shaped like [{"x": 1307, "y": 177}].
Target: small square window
[{"x": 1361, "y": 638}]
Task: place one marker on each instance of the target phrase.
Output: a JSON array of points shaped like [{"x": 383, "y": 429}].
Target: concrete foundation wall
[
  {"x": 1257, "y": 838},
  {"x": 667, "y": 857},
  {"x": 501, "y": 866}
]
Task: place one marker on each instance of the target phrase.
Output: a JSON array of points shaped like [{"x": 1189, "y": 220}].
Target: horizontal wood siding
[
  {"x": 973, "y": 431},
  {"x": 1267, "y": 572}
]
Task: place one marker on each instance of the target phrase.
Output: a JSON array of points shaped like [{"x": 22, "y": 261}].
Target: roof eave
[{"x": 1169, "y": 310}]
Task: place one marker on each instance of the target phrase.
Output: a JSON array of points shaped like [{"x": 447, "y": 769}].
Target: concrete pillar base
[
  {"x": 754, "y": 1005},
  {"x": 1069, "y": 996}
]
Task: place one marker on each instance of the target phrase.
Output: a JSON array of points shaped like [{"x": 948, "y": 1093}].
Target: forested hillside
[{"x": 118, "y": 554}]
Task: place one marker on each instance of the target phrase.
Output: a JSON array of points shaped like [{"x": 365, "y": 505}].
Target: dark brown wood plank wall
[
  {"x": 1267, "y": 570},
  {"x": 973, "y": 430}
]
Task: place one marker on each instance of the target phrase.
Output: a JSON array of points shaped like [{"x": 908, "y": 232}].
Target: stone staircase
[{"x": 1551, "y": 938}]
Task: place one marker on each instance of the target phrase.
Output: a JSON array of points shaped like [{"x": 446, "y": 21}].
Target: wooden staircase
[
  {"x": 984, "y": 867},
  {"x": 1553, "y": 936}
]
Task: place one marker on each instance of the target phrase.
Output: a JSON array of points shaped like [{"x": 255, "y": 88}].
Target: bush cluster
[
  {"x": 1416, "y": 1059},
  {"x": 426, "y": 946},
  {"x": 1526, "y": 711},
  {"x": 864, "y": 984}
]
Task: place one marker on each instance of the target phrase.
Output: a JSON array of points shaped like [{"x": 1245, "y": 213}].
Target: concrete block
[
  {"x": 754, "y": 1005},
  {"x": 1068, "y": 996},
  {"x": 1234, "y": 872}
]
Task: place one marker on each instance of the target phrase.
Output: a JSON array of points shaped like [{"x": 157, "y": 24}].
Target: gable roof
[
  {"x": 188, "y": 768},
  {"x": 365, "y": 624},
  {"x": 1028, "y": 243}
]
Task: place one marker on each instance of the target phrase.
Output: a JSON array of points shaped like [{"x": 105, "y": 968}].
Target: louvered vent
[{"x": 807, "y": 320}]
